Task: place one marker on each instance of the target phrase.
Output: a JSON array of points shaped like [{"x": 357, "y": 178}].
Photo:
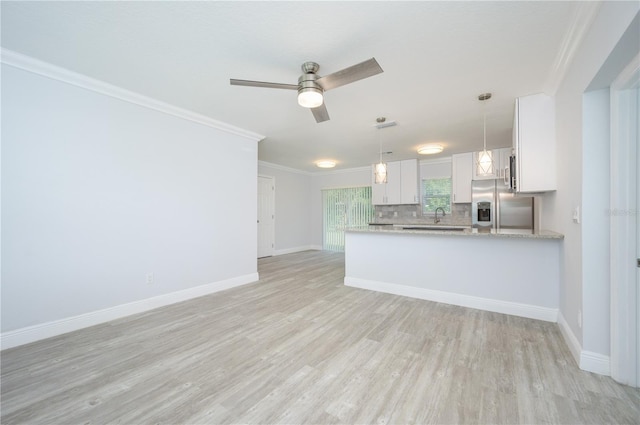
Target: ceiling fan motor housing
[{"x": 309, "y": 89}]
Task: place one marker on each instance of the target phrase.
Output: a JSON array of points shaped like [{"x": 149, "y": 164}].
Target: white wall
[
  {"x": 595, "y": 222},
  {"x": 97, "y": 192},
  {"x": 292, "y": 207},
  {"x": 574, "y": 162}
]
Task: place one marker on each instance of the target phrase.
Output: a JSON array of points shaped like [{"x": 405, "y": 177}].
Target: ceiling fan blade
[
  {"x": 357, "y": 72},
  {"x": 320, "y": 113},
  {"x": 263, "y": 84}
]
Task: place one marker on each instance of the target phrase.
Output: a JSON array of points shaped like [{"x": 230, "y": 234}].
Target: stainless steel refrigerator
[{"x": 495, "y": 207}]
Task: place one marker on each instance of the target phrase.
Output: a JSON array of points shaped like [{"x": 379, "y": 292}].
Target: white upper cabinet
[
  {"x": 461, "y": 176},
  {"x": 410, "y": 182},
  {"x": 401, "y": 187},
  {"x": 534, "y": 143}
]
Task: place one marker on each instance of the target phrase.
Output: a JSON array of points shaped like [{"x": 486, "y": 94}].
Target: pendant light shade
[
  {"x": 484, "y": 164},
  {"x": 380, "y": 173}
]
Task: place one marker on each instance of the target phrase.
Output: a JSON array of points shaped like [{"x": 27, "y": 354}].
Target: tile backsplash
[{"x": 412, "y": 214}]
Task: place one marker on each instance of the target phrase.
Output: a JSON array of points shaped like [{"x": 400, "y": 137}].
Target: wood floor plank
[{"x": 300, "y": 347}]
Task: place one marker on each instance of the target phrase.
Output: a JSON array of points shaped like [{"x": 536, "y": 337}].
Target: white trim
[
  {"x": 576, "y": 31},
  {"x": 57, "y": 327},
  {"x": 342, "y": 171},
  {"x": 569, "y": 338},
  {"x": 623, "y": 299},
  {"x": 595, "y": 362},
  {"x": 283, "y": 168},
  {"x": 445, "y": 160},
  {"x": 497, "y": 306},
  {"x": 297, "y": 249},
  {"x": 27, "y": 63}
]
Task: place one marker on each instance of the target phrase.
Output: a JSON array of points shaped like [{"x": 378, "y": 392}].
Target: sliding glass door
[{"x": 342, "y": 208}]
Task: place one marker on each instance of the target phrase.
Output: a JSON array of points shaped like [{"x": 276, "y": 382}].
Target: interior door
[{"x": 266, "y": 216}]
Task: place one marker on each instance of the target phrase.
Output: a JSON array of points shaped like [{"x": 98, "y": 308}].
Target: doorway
[
  {"x": 625, "y": 228},
  {"x": 266, "y": 216}
]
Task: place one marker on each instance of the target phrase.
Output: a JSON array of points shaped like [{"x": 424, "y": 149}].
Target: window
[
  {"x": 344, "y": 208},
  {"x": 436, "y": 193}
]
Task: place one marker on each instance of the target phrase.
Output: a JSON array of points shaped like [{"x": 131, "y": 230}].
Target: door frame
[{"x": 625, "y": 330}]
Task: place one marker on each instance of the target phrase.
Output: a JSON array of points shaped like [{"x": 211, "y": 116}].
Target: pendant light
[
  {"x": 484, "y": 164},
  {"x": 380, "y": 173}
]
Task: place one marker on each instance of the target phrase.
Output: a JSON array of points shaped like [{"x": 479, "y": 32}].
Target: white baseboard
[
  {"x": 497, "y": 306},
  {"x": 57, "y": 327},
  {"x": 297, "y": 249},
  {"x": 570, "y": 338},
  {"x": 595, "y": 362},
  {"x": 586, "y": 360}
]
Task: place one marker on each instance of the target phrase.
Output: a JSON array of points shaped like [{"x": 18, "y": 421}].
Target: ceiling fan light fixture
[
  {"x": 430, "y": 149},
  {"x": 310, "y": 97},
  {"x": 325, "y": 163}
]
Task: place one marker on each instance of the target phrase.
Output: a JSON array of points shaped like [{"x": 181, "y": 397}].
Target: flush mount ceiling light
[
  {"x": 326, "y": 163},
  {"x": 484, "y": 165},
  {"x": 430, "y": 149}
]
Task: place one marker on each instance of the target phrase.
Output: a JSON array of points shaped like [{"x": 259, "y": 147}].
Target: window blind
[{"x": 344, "y": 208}]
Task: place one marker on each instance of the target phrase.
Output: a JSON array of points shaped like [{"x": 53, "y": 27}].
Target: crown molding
[
  {"x": 342, "y": 171},
  {"x": 283, "y": 168},
  {"x": 444, "y": 160},
  {"x": 45, "y": 69},
  {"x": 576, "y": 31},
  {"x": 314, "y": 173}
]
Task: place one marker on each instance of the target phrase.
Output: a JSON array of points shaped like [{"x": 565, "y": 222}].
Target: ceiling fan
[{"x": 311, "y": 86}]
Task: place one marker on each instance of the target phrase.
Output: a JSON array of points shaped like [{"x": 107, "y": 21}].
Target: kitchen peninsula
[{"x": 514, "y": 273}]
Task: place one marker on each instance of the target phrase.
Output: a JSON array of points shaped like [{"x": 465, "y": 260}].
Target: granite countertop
[{"x": 466, "y": 231}]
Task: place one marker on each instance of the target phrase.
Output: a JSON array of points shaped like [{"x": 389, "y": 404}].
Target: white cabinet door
[
  {"x": 394, "y": 183},
  {"x": 534, "y": 143},
  {"x": 409, "y": 192},
  {"x": 461, "y": 175}
]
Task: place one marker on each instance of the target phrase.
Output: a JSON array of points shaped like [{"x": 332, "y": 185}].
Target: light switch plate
[{"x": 576, "y": 214}]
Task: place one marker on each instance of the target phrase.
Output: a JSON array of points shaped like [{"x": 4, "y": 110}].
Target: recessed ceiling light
[
  {"x": 326, "y": 163},
  {"x": 430, "y": 149}
]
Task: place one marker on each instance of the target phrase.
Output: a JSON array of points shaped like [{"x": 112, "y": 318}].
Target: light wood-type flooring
[{"x": 300, "y": 347}]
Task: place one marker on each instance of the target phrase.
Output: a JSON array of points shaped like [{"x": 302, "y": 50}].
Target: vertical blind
[{"x": 343, "y": 208}]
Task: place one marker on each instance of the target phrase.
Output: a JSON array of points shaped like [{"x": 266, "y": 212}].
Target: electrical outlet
[
  {"x": 580, "y": 319},
  {"x": 149, "y": 278},
  {"x": 380, "y": 214},
  {"x": 414, "y": 214},
  {"x": 395, "y": 213}
]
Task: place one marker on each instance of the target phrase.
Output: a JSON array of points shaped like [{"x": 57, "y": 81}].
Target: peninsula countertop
[{"x": 462, "y": 231}]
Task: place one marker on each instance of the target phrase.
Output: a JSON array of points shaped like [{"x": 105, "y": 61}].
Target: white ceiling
[{"x": 436, "y": 56}]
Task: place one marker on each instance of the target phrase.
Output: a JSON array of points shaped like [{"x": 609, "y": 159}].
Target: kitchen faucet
[{"x": 436, "y": 220}]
